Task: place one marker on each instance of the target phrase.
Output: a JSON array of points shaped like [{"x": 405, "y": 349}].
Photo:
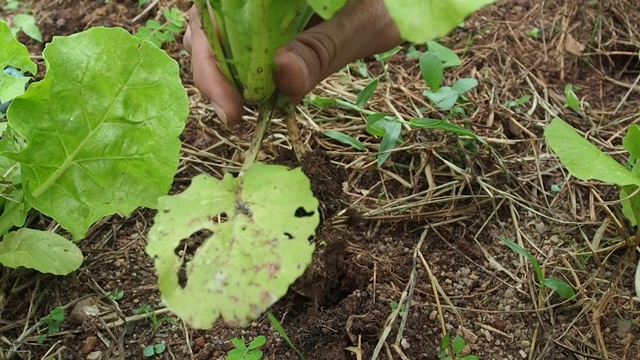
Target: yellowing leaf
[
  {"x": 44, "y": 251},
  {"x": 255, "y": 242}
]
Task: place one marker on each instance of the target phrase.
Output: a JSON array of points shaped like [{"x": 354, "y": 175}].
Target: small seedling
[
  {"x": 457, "y": 346},
  {"x": 276, "y": 324},
  {"x": 151, "y": 315},
  {"x": 516, "y": 105},
  {"x": 54, "y": 322},
  {"x": 153, "y": 350},
  {"x": 394, "y": 305},
  {"x": 572, "y": 100},
  {"x": 162, "y": 33},
  {"x": 11, "y": 5},
  {"x": 247, "y": 352},
  {"x": 27, "y": 24},
  {"x": 116, "y": 295},
  {"x": 560, "y": 286}
]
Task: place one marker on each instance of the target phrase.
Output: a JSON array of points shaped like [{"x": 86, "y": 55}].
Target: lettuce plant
[
  {"x": 254, "y": 229},
  {"x": 99, "y": 135}
]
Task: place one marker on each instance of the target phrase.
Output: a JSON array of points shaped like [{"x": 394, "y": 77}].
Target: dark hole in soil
[{"x": 186, "y": 249}]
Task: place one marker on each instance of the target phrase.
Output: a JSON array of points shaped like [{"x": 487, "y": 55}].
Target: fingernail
[{"x": 221, "y": 114}]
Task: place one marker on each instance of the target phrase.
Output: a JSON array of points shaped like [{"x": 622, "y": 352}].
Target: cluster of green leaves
[
  {"x": 388, "y": 127},
  {"x": 162, "y": 33},
  {"x": 586, "y": 162},
  {"x": 54, "y": 322},
  {"x": 558, "y": 285},
  {"x": 457, "y": 346},
  {"x": 89, "y": 140},
  {"x": 245, "y": 351}
]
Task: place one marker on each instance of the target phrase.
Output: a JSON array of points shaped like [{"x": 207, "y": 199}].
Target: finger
[
  {"x": 225, "y": 98},
  {"x": 362, "y": 28}
]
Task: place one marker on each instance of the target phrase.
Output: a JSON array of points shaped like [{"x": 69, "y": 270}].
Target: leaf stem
[
  {"x": 294, "y": 132},
  {"x": 264, "y": 116},
  {"x": 213, "y": 37}
]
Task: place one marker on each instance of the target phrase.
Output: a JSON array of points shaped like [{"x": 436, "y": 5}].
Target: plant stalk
[
  {"x": 294, "y": 132},
  {"x": 264, "y": 116}
]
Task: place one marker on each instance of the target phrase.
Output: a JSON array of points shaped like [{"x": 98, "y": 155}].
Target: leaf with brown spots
[{"x": 256, "y": 243}]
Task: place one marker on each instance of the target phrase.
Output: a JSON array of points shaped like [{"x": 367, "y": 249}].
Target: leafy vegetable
[
  {"x": 249, "y": 257},
  {"x": 90, "y": 139},
  {"x": 109, "y": 143}
]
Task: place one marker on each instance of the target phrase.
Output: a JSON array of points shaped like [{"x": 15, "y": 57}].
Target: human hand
[{"x": 362, "y": 28}]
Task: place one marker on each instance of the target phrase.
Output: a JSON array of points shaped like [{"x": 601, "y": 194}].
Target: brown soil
[{"x": 424, "y": 228}]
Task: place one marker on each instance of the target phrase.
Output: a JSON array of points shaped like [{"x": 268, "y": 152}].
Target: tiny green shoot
[
  {"x": 116, "y": 295},
  {"x": 245, "y": 351},
  {"x": 54, "y": 322},
  {"x": 27, "y": 24},
  {"x": 457, "y": 346},
  {"x": 560, "y": 286},
  {"x": 394, "y": 305},
  {"x": 276, "y": 324},
  {"x": 517, "y": 104},
  {"x": 162, "y": 33},
  {"x": 152, "y": 350}
]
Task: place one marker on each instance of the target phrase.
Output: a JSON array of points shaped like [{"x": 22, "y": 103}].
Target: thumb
[{"x": 362, "y": 28}]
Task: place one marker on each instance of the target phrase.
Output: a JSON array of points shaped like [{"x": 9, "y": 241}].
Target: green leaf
[
  {"x": 148, "y": 351},
  {"x": 469, "y": 357},
  {"x": 389, "y": 140},
  {"x": 631, "y": 206},
  {"x": 44, "y": 251},
  {"x": 257, "y": 342},
  {"x": 583, "y": 159},
  {"x": 276, "y": 325},
  {"x": 102, "y": 128},
  {"x": 446, "y": 126},
  {"x": 447, "y": 56},
  {"x": 572, "y": 99},
  {"x": 326, "y": 8},
  {"x": 248, "y": 260},
  {"x": 631, "y": 141},
  {"x": 420, "y": 21},
  {"x": 458, "y": 344},
  {"x": 366, "y": 93},
  {"x": 16, "y": 55},
  {"x": 519, "y": 250},
  {"x": 322, "y": 102},
  {"x": 561, "y": 287},
  {"x": 27, "y": 24},
  {"x": 376, "y": 124},
  {"x": 432, "y": 70},
  {"x": 159, "y": 348},
  {"x": 463, "y": 85},
  {"x": 345, "y": 139},
  {"x": 445, "y": 98}
]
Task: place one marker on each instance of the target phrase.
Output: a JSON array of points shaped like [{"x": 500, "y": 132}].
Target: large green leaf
[
  {"x": 14, "y": 54},
  {"x": 583, "y": 159},
  {"x": 44, "y": 251},
  {"x": 255, "y": 242},
  {"x": 102, "y": 129},
  {"x": 420, "y": 21},
  {"x": 631, "y": 141}
]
